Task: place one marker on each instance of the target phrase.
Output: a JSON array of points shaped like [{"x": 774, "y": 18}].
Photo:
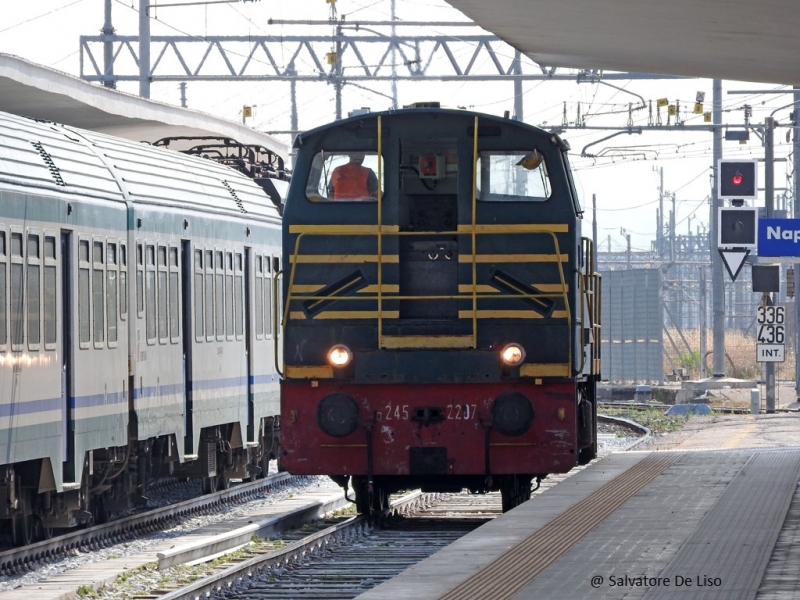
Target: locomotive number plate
[
  {"x": 394, "y": 412},
  {"x": 461, "y": 412}
]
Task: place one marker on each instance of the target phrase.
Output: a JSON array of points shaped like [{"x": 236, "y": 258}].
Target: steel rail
[
  {"x": 297, "y": 551},
  {"x": 18, "y": 559}
]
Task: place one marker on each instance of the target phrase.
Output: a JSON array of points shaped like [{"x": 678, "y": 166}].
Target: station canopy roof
[
  {"x": 742, "y": 40},
  {"x": 31, "y": 90}
]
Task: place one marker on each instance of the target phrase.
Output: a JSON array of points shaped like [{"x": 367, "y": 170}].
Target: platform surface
[{"x": 689, "y": 524}]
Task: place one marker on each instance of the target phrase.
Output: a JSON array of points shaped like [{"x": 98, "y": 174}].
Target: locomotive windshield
[
  {"x": 513, "y": 177},
  {"x": 349, "y": 176}
]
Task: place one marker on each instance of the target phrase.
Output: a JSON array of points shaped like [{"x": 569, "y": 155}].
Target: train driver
[{"x": 354, "y": 182}]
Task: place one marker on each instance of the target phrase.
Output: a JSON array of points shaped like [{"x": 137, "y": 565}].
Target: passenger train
[
  {"x": 441, "y": 330},
  {"x": 137, "y": 324}
]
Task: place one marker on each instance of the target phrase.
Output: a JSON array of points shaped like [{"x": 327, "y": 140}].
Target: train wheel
[
  {"x": 209, "y": 484},
  {"x": 264, "y": 464},
  {"x": 223, "y": 482},
  {"x": 22, "y": 530},
  {"x": 99, "y": 511},
  {"x": 515, "y": 490},
  {"x": 368, "y": 502},
  {"x": 41, "y": 532}
]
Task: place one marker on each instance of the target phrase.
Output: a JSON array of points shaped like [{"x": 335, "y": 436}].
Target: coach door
[
  {"x": 67, "y": 353},
  {"x": 252, "y": 426},
  {"x": 187, "y": 285}
]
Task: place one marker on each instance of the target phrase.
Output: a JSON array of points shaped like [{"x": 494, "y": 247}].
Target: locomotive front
[{"x": 440, "y": 308}]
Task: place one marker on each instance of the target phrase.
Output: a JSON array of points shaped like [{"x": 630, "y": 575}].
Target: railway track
[
  {"x": 730, "y": 410},
  {"x": 276, "y": 559},
  {"x": 20, "y": 560},
  {"x": 349, "y": 557}
]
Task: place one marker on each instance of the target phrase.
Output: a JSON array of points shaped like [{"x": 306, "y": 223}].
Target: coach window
[
  {"x": 219, "y": 296},
  {"x": 239, "y": 296},
  {"x": 3, "y": 295},
  {"x": 198, "y": 295},
  {"x": 123, "y": 282},
  {"x": 34, "y": 291},
  {"x": 513, "y": 177},
  {"x": 343, "y": 176},
  {"x": 174, "y": 297},
  {"x": 210, "y": 295},
  {"x": 150, "y": 294},
  {"x": 84, "y": 295},
  {"x": 259, "y": 293},
  {"x": 229, "y": 295},
  {"x": 139, "y": 281},
  {"x": 267, "y": 296},
  {"x": 50, "y": 292},
  {"x": 163, "y": 300},
  {"x": 98, "y": 298},
  {"x": 17, "y": 292},
  {"x": 111, "y": 293}
]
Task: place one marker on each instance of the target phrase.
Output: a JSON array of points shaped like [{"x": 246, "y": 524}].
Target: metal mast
[{"x": 717, "y": 282}]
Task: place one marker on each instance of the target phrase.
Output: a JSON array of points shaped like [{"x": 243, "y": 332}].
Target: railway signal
[
  {"x": 738, "y": 236},
  {"x": 738, "y": 179}
]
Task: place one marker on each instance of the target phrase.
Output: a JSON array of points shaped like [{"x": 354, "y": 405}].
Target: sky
[{"x": 624, "y": 174}]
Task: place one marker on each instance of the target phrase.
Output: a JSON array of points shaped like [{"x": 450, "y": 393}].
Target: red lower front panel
[{"x": 405, "y": 425}]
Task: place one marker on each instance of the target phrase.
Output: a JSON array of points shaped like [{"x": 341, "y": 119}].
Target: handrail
[
  {"x": 474, "y": 239},
  {"x": 278, "y": 326},
  {"x": 589, "y": 279},
  {"x": 291, "y": 296},
  {"x": 582, "y": 293},
  {"x": 380, "y": 239}
]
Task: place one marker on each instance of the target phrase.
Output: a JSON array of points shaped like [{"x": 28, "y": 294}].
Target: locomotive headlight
[
  {"x": 340, "y": 355},
  {"x": 513, "y": 354}
]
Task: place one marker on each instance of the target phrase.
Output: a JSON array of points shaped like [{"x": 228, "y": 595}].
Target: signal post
[{"x": 740, "y": 232}]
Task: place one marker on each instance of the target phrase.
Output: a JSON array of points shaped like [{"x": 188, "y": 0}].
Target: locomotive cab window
[
  {"x": 343, "y": 176},
  {"x": 513, "y": 177}
]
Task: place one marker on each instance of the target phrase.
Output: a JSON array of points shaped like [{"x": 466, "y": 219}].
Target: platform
[{"x": 654, "y": 525}]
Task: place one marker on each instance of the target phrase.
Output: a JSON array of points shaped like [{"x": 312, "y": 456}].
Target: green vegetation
[
  {"x": 86, "y": 591},
  {"x": 652, "y": 418}
]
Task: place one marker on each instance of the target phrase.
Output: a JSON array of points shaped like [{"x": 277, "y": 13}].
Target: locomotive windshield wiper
[
  {"x": 506, "y": 283},
  {"x": 333, "y": 292}
]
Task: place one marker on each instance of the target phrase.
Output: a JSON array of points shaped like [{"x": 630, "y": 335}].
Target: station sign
[
  {"x": 771, "y": 321},
  {"x": 779, "y": 237}
]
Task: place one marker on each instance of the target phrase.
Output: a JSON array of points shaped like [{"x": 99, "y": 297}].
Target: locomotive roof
[
  {"x": 66, "y": 160},
  {"x": 372, "y": 116}
]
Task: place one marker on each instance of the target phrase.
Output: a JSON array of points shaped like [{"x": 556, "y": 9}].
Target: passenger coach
[{"x": 136, "y": 325}]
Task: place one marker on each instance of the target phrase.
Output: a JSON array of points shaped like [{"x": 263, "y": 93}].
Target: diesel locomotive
[
  {"x": 137, "y": 335},
  {"x": 441, "y": 325}
]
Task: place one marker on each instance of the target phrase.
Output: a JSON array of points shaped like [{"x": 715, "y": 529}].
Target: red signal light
[{"x": 737, "y": 178}]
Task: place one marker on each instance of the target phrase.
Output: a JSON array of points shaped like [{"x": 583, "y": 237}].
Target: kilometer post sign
[{"x": 771, "y": 334}]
